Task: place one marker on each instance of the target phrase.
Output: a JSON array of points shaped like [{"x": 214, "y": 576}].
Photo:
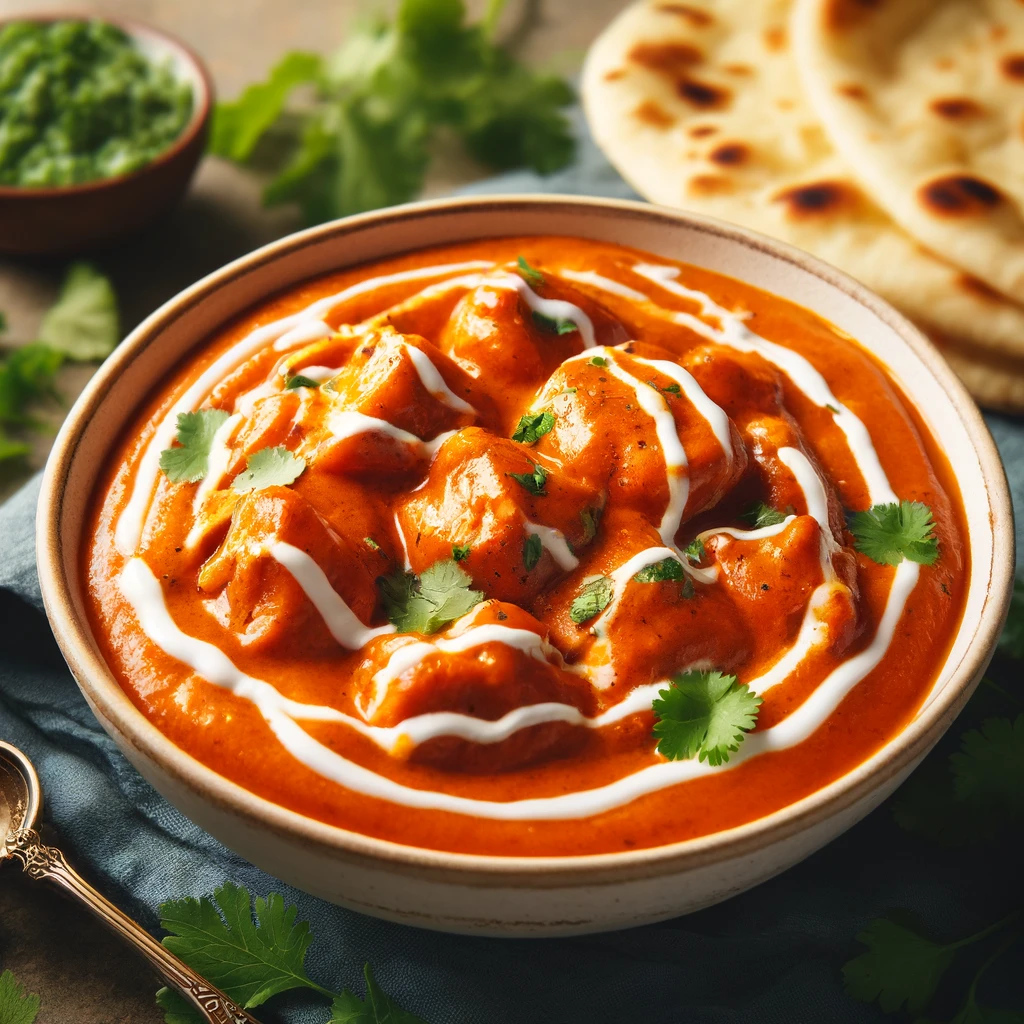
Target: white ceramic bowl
[{"x": 495, "y": 895}]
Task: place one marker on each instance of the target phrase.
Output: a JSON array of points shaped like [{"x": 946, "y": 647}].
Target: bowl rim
[
  {"x": 119, "y": 715},
  {"x": 201, "y": 109}
]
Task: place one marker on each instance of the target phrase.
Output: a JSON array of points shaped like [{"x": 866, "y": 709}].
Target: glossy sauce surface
[{"x": 249, "y": 627}]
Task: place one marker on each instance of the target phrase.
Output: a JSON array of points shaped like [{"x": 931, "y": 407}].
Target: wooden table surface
[{"x": 83, "y": 975}]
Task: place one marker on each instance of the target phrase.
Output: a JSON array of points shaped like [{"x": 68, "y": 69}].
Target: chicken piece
[
  {"x": 323, "y": 355},
  {"x": 471, "y": 498},
  {"x": 491, "y": 662},
  {"x": 648, "y": 630},
  {"x": 741, "y": 383},
  {"x": 260, "y": 600},
  {"x": 498, "y": 339},
  {"x": 609, "y": 419}
]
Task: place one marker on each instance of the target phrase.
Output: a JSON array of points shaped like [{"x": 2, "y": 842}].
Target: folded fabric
[{"x": 769, "y": 956}]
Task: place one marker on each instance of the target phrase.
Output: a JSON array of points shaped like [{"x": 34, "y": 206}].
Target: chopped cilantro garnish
[
  {"x": 592, "y": 599},
  {"x": 598, "y": 361},
  {"x": 460, "y": 552},
  {"x": 703, "y": 715},
  {"x": 533, "y": 426},
  {"x": 191, "y": 460},
  {"x": 531, "y": 275},
  {"x": 428, "y": 602},
  {"x": 831, "y": 408},
  {"x": 371, "y": 544},
  {"x": 695, "y": 551},
  {"x": 660, "y": 572},
  {"x": 554, "y": 325},
  {"x": 298, "y": 381},
  {"x": 532, "y": 550},
  {"x": 590, "y": 517},
  {"x": 760, "y": 515},
  {"x": 567, "y": 391},
  {"x": 269, "y": 467},
  {"x": 533, "y": 482},
  {"x": 889, "y": 533}
]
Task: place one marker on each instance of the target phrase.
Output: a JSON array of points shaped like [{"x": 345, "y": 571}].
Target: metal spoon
[{"x": 21, "y": 800}]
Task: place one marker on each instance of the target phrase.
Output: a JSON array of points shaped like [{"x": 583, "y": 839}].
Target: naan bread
[
  {"x": 699, "y": 105},
  {"x": 996, "y": 381},
  {"x": 924, "y": 100}
]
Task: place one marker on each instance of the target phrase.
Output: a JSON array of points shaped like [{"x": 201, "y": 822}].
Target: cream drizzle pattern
[{"x": 553, "y": 541}]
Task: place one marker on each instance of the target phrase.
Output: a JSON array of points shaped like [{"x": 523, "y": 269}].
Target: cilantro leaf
[
  {"x": 888, "y": 534},
  {"x": 554, "y": 325},
  {"x": 592, "y": 599},
  {"x": 191, "y": 460},
  {"x": 660, "y": 572},
  {"x": 427, "y": 603},
  {"x": 241, "y": 123},
  {"x": 249, "y": 960},
  {"x": 760, "y": 515},
  {"x": 83, "y": 324},
  {"x": 695, "y": 551},
  {"x": 460, "y": 552},
  {"x": 899, "y": 967},
  {"x": 26, "y": 375},
  {"x": 598, "y": 361},
  {"x": 591, "y": 518},
  {"x": 533, "y": 482},
  {"x": 530, "y": 275},
  {"x": 299, "y": 381},
  {"x": 533, "y": 426},
  {"x": 269, "y": 467},
  {"x": 988, "y": 770},
  {"x": 704, "y": 715},
  {"x": 377, "y": 1008},
  {"x": 1011, "y": 642},
  {"x": 532, "y": 550},
  {"x": 16, "y": 1005}
]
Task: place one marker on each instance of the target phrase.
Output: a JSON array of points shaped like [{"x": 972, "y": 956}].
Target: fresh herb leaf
[
  {"x": 530, "y": 275},
  {"x": 760, "y": 515},
  {"x": 590, "y": 517},
  {"x": 269, "y": 467},
  {"x": 890, "y": 533},
  {"x": 532, "y": 427},
  {"x": 672, "y": 389},
  {"x": 567, "y": 391},
  {"x": 427, "y": 603},
  {"x": 695, "y": 551},
  {"x": 365, "y": 138},
  {"x": 239, "y": 124},
  {"x": 250, "y": 960},
  {"x": 661, "y": 572},
  {"x": 988, "y": 770},
  {"x": 299, "y": 381},
  {"x": 831, "y": 408},
  {"x": 599, "y": 361},
  {"x": 26, "y": 376},
  {"x": 554, "y": 325},
  {"x": 533, "y": 482},
  {"x": 16, "y": 1005},
  {"x": 377, "y": 1007},
  {"x": 191, "y": 460},
  {"x": 592, "y": 599},
  {"x": 532, "y": 550},
  {"x": 1011, "y": 642},
  {"x": 83, "y": 324},
  {"x": 899, "y": 967},
  {"x": 460, "y": 552},
  {"x": 704, "y": 715},
  {"x": 371, "y": 544}
]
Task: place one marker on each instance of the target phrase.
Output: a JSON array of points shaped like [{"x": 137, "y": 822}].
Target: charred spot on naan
[
  {"x": 702, "y": 131},
  {"x": 959, "y": 195},
  {"x": 703, "y": 94},
  {"x": 693, "y": 15},
  {"x": 672, "y": 59},
  {"x": 1012, "y": 66},
  {"x": 853, "y": 91},
  {"x": 978, "y": 288},
  {"x": 776, "y": 39},
  {"x": 703, "y": 185},
  {"x": 819, "y": 199},
  {"x": 738, "y": 70},
  {"x": 957, "y": 108},
  {"x": 730, "y": 154},
  {"x": 654, "y": 114},
  {"x": 843, "y": 15},
  {"x": 615, "y": 74}
]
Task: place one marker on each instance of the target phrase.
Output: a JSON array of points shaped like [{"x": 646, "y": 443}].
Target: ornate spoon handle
[{"x": 47, "y": 862}]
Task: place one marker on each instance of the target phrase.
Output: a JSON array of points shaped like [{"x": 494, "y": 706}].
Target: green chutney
[{"x": 79, "y": 101}]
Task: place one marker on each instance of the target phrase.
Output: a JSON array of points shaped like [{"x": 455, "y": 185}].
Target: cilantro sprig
[
  {"x": 661, "y": 572},
  {"x": 532, "y": 550},
  {"x": 554, "y": 325},
  {"x": 428, "y": 602},
  {"x": 704, "y": 715},
  {"x": 300, "y": 381},
  {"x": 362, "y": 135},
  {"x": 16, "y": 1005},
  {"x": 890, "y": 533},
  {"x": 760, "y": 515},
  {"x": 592, "y": 599},
  {"x": 533, "y": 482},
  {"x": 531, "y": 275},
  {"x": 695, "y": 551},
  {"x": 269, "y": 467},
  {"x": 190, "y": 461},
  {"x": 533, "y": 426}
]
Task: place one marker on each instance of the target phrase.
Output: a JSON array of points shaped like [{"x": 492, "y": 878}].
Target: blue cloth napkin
[{"x": 770, "y": 956}]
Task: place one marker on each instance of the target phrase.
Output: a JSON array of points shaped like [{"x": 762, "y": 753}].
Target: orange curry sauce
[{"x": 607, "y": 491}]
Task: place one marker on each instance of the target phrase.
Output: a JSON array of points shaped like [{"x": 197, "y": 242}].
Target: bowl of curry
[{"x": 525, "y": 565}]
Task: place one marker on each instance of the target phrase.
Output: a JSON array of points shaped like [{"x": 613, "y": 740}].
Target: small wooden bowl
[{"x": 72, "y": 218}]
